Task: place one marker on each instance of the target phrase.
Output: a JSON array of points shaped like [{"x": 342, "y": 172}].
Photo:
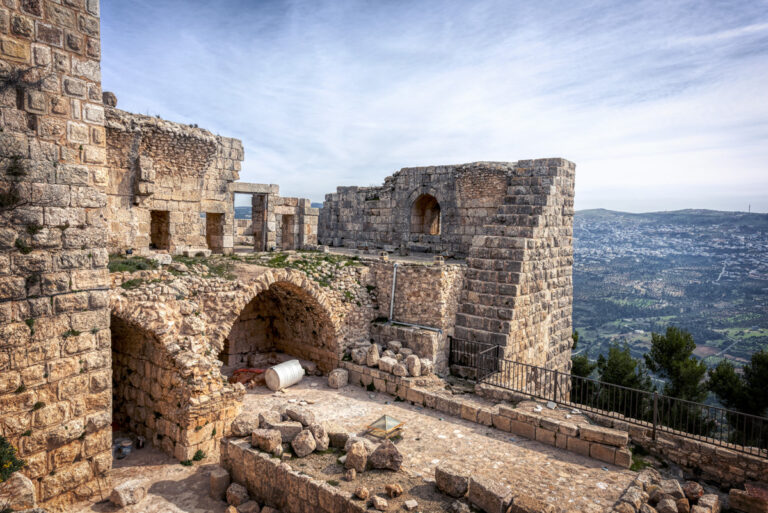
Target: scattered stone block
[
  {"x": 322, "y": 441},
  {"x": 386, "y": 364},
  {"x": 372, "y": 356},
  {"x": 362, "y": 493},
  {"x": 220, "y": 480},
  {"x": 393, "y": 490},
  {"x": 369, "y": 446},
  {"x": 410, "y": 505},
  {"x": 128, "y": 493},
  {"x": 338, "y": 378},
  {"x": 693, "y": 491},
  {"x": 244, "y": 424},
  {"x": 268, "y": 419},
  {"x": 267, "y": 440},
  {"x": 249, "y": 507},
  {"x": 672, "y": 487},
  {"x": 288, "y": 430},
  {"x": 394, "y": 345},
  {"x": 490, "y": 496},
  {"x": 379, "y": 503},
  {"x": 386, "y": 456},
  {"x": 337, "y": 435},
  {"x": 357, "y": 457},
  {"x": 413, "y": 364},
  {"x": 683, "y": 506},
  {"x": 452, "y": 481},
  {"x": 299, "y": 414},
  {"x": 304, "y": 443},
  {"x": 350, "y": 474},
  {"x": 359, "y": 356},
  {"x": 427, "y": 367},
  {"x": 400, "y": 370},
  {"x": 668, "y": 505},
  {"x": 710, "y": 501},
  {"x": 236, "y": 495}
]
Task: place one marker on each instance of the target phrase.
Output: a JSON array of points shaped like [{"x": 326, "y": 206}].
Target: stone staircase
[{"x": 518, "y": 289}]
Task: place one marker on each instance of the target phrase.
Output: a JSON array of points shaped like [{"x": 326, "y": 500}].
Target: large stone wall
[
  {"x": 55, "y": 391},
  {"x": 179, "y": 170},
  {"x": 388, "y": 216},
  {"x": 518, "y": 291}
]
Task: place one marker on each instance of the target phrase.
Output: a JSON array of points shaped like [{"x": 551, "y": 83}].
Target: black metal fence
[{"x": 719, "y": 426}]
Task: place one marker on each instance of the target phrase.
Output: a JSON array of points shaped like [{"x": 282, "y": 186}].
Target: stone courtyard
[{"x": 128, "y": 315}]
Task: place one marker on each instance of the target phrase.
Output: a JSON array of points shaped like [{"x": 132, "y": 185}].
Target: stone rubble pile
[
  {"x": 649, "y": 493},
  {"x": 393, "y": 359}
]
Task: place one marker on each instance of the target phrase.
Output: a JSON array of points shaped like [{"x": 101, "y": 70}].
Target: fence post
[
  {"x": 655, "y": 413},
  {"x": 557, "y": 384}
]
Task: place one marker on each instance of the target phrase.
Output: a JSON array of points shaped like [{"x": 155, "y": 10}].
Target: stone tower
[{"x": 55, "y": 380}]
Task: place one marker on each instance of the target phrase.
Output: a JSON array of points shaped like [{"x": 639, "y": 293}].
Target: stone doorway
[
  {"x": 259, "y": 208},
  {"x": 288, "y": 232},
  {"x": 425, "y": 215},
  {"x": 283, "y": 318},
  {"x": 214, "y": 231},
  {"x": 160, "y": 229},
  {"x": 140, "y": 402}
]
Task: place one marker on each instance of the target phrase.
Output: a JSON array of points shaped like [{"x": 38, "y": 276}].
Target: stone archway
[
  {"x": 144, "y": 401},
  {"x": 425, "y": 215},
  {"x": 285, "y": 315}
]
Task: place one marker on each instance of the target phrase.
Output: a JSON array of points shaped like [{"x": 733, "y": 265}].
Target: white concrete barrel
[{"x": 284, "y": 375}]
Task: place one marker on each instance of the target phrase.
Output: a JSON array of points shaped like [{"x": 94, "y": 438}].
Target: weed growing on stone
[
  {"x": 132, "y": 284},
  {"x": 31, "y": 324},
  {"x": 199, "y": 455},
  {"x": 119, "y": 264},
  {"x": 38, "y": 405},
  {"x": 186, "y": 463},
  {"x": 23, "y": 247}
]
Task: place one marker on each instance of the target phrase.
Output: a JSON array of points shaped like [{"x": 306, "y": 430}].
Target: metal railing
[{"x": 659, "y": 413}]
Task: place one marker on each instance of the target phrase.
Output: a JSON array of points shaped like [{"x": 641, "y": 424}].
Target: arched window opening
[{"x": 425, "y": 215}]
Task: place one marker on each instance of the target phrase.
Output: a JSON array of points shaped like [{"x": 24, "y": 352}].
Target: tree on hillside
[
  {"x": 582, "y": 390},
  {"x": 575, "y": 337},
  {"x": 619, "y": 368},
  {"x": 671, "y": 358},
  {"x": 747, "y": 393}
]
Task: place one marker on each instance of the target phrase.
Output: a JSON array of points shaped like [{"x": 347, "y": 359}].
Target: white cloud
[{"x": 659, "y": 97}]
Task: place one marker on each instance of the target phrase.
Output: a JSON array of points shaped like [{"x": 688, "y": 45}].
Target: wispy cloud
[{"x": 660, "y": 104}]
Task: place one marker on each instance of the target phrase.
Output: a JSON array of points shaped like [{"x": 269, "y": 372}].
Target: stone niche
[{"x": 282, "y": 318}]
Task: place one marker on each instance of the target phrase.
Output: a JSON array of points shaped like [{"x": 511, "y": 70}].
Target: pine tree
[{"x": 671, "y": 357}]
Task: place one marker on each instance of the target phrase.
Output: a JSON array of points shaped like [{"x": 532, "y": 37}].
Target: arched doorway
[
  {"x": 425, "y": 215},
  {"x": 144, "y": 401},
  {"x": 284, "y": 318}
]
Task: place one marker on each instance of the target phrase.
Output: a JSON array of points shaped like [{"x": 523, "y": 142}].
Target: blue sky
[{"x": 661, "y": 104}]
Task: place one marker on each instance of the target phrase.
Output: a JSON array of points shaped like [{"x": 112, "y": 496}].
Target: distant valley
[{"x": 701, "y": 270}]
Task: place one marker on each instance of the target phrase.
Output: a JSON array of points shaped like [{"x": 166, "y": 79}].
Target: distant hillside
[
  {"x": 245, "y": 212},
  {"x": 696, "y": 217}
]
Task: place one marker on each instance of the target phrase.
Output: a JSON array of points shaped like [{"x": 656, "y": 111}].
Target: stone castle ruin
[{"x": 387, "y": 280}]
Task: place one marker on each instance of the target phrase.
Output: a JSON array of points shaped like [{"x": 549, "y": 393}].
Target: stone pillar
[{"x": 55, "y": 376}]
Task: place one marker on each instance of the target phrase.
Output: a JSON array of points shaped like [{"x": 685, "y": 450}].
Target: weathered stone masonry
[
  {"x": 55, "y": 387},
  {"x": 162, "y": 177}
]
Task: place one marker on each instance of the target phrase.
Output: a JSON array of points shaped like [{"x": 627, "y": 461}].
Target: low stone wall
[
  {"x": 424, "y": 343},
  {"x": 712, "y": 463},
  {"x": 601, "y": 443},
  {"x": 275, "y": 483}
]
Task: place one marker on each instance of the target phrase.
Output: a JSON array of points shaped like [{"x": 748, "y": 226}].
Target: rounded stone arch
[
  {"x": 425, "y": 213},
  {"x": 283, "y": 311},
  {"x": 145, "y": 383}
]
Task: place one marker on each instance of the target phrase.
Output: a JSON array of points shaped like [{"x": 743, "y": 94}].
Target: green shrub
[
  {"x": 9, "y": 463},
  {"x": 119, "y": 263},
  {"x": 199, "y": 455}
]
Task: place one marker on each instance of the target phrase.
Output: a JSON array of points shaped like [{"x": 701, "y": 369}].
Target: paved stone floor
[
  {"x": 570, "y": 482},
  {"x": 564, "y": 479}
]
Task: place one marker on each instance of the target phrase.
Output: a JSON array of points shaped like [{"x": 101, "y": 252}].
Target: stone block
[
  {"x": 545, "y": 436},
  {"x": 245, "y": 424},
  {"x": 236, "y": 495},
  {"x": 219, "y": 482},
  {"x": 452, "y": 480},
  {"x": 288, "y": 430},
  {"x": 602, "y": 452},
  {"x": 526, "y": 504},
  {"x": 338, "y": 378},
  {"x": 128, "y": 493},
  {"x": 488, "y": 495},
  {"x": 578, "y": 446},
  {"x": 603, "y": 435},
  {"x": 267, "y": 440},
  {"x": 18, "y": 492},
  {"x": 522, "y": 429}
]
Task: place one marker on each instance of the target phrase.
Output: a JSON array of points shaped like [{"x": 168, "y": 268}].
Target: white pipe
[{"x": 392, "y": 299}]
